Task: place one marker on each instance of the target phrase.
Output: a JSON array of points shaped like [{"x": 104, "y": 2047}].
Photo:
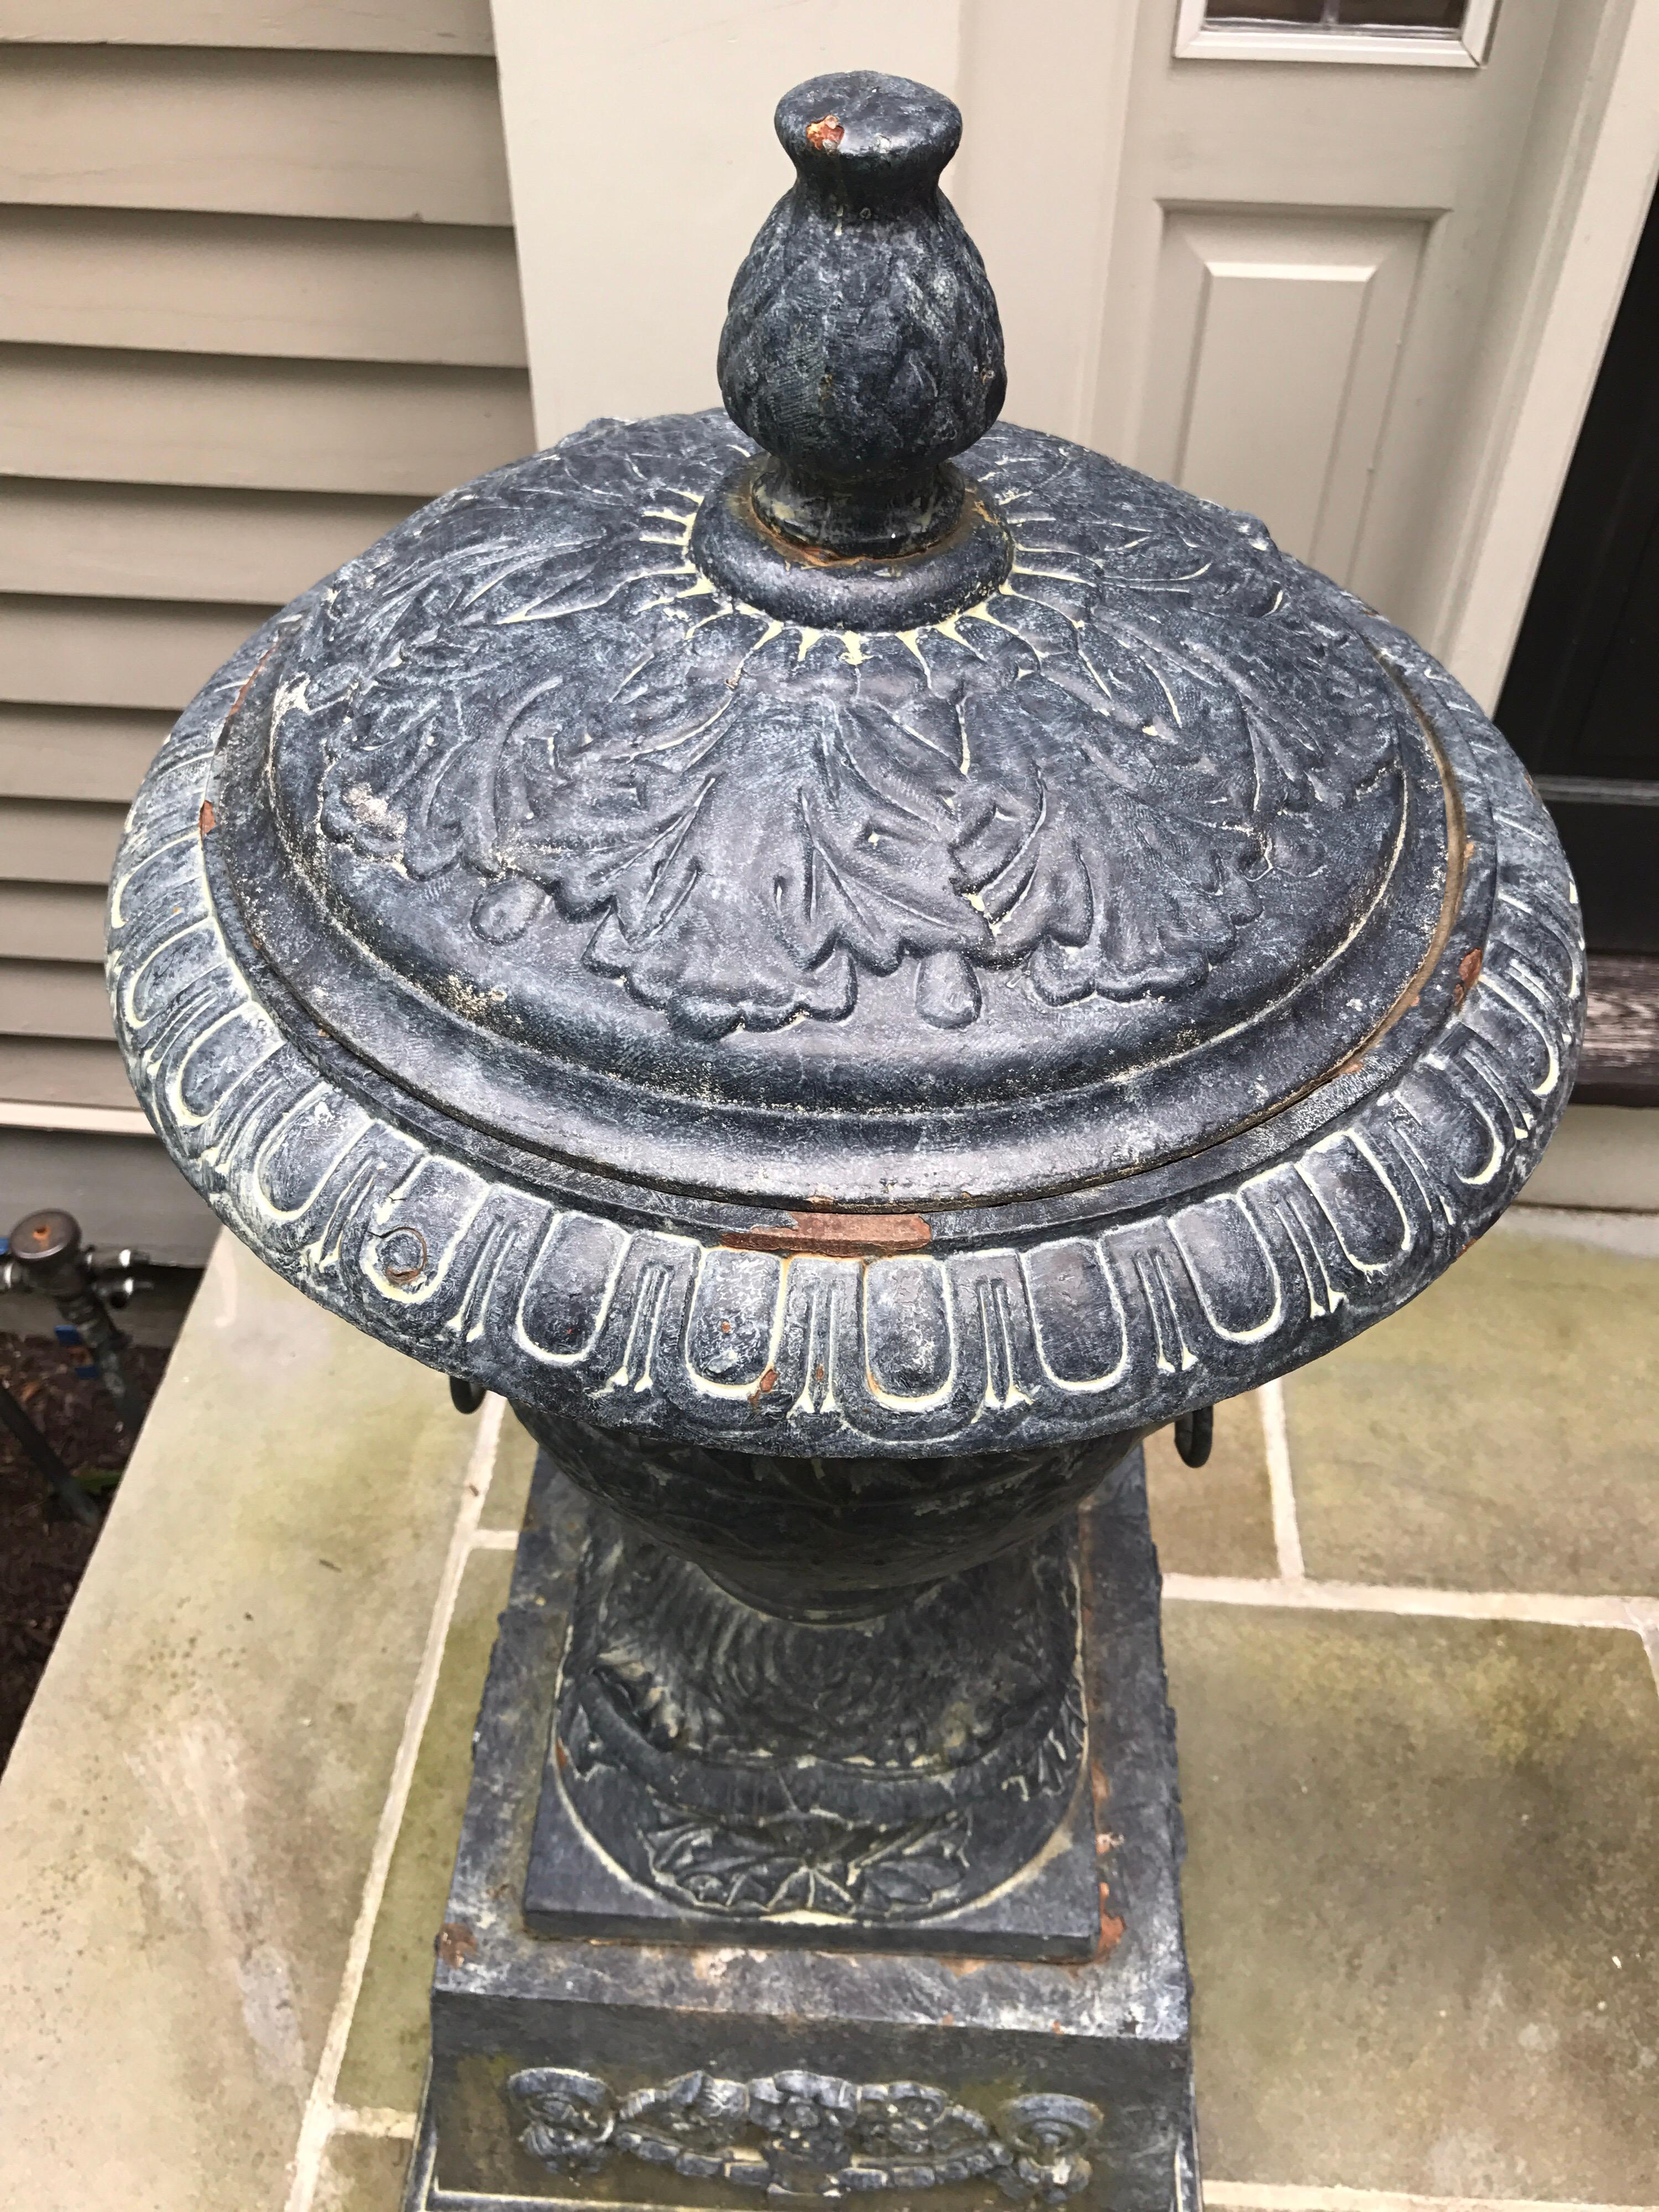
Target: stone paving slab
[
  {"x": 187, "y": 1818},
  {"x": 1217, "y": 1519},
  {"x": 1601, "y": 1157},
  {"x": 509, "y": 1486},
  {"x": 361, "y": 2173},
  {"x": 1422, "y": 1899},
  {"x": 1499, "y": 1432},
  {"x": 385, "y": 2056}
]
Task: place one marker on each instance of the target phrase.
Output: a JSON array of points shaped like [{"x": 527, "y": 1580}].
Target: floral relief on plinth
[
  {"x": 807, "y": 2134},
  {"x": 845, "y": 1869}
]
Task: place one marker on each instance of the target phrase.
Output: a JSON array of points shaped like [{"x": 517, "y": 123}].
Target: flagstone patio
[{"x": 1413, "y": 1631}]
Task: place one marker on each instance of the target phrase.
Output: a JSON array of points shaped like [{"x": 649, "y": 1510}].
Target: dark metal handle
[{"x": 1194, "y": 1433}]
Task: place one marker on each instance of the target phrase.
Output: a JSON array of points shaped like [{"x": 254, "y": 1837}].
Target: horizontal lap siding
[
  {"x": 309, "y": 426},
  {"x": 151, "y": 542},
  {"x": 59, "y": 1071},
  {"x": 53, "y": 999},
  {"x": 114, "y": 652},
  {"x": 56, "y": 840},
  {"x": 280, "y": 288},
  {"x": 259, "y": 301},
  {"x": 372, "y": 137},
  {"x": 374, "y": 26},
  {"x": 76, "y": 752},
  {"x": 53, "y": 921}
]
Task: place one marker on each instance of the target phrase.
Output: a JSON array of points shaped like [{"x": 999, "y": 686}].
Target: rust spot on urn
[
  {"x": 247, "y": 684},
  {"x": 836, "y": 1237},
  {"x": 1468, "y": 973},
  {"x": 457, "y": 1944},
  {"x": 205, "y": 819},
  {"x": 765, "y": 1387},
  {"x": 404, "y": 1255},
  {"x": 824, "y": 136}
]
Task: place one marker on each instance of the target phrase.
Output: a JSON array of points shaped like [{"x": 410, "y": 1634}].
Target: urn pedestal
[
  {"x": 852, "y": 960},
  {"x": 726, "y": 2066}
]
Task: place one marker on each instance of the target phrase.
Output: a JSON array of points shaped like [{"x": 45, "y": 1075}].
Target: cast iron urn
[{"x": 851, "y": 960}]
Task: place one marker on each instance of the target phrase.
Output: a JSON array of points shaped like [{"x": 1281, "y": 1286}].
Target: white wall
[{"x": 629, "y": 234}]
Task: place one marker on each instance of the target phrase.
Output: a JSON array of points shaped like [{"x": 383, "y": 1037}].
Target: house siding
[{"x": 259, "y": 300}]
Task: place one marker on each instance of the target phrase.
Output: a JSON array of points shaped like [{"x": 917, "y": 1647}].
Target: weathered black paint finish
[
  {"x": 823, "y": 1779},
  {"x": 850, "y": 983},
  {"x": 836, "y": 1544}
]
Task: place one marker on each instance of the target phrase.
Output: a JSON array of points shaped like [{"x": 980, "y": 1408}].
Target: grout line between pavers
[
  {"x": 1276, "y": 1436},
  {"x": 379, "y": 2120},
  {"x": 1300, "y": 2197},
  {"x": 317, "y": 2119},
  {"x": 1559, "y": 1609}
]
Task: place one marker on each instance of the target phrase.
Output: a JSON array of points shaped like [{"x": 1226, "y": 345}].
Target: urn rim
[{"x": 1114, "y": 1308}]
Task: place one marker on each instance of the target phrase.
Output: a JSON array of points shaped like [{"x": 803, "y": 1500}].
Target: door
[
  {"x": 1286, "y": 251},
  {"x": 1311, "y": 212}
]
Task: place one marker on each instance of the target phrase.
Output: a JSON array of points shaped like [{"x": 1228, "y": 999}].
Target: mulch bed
[{"x": 43, "y": 1553}]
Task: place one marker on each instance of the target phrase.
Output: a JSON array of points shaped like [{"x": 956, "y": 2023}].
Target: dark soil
[{"x": 43, "y": 1552}]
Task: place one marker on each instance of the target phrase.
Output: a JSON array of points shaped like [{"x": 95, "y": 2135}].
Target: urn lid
[{"x": 841, "y": 798}]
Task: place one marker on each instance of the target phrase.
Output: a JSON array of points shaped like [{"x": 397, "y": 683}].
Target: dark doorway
[{"x": 1581, "y": 702}]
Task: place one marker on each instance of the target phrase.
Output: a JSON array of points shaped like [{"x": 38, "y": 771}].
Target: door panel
[{"x": 1277, "y": 337}]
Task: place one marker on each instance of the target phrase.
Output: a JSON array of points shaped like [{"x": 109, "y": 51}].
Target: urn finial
[
  {"x": 862, "y": 351},
  {"x": 862, "y": 347}
]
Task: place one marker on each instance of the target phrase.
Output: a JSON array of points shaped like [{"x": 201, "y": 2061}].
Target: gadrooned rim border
[{"x": 1043, "y": 1336}]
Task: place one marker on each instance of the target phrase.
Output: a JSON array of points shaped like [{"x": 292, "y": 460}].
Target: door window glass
[
  {"x": 1264, "y": 11},
  {"x": 1344, "y": 14}
]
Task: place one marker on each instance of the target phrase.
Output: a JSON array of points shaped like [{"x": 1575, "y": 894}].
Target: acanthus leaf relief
[{"x": 1097, "y": 778}]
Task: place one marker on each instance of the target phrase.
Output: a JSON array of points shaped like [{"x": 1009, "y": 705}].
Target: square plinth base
[{"x": 603, "y": 2071}]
